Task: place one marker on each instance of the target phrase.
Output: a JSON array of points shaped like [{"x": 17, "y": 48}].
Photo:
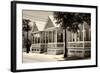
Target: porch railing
[{"x": 80, "y": 44}]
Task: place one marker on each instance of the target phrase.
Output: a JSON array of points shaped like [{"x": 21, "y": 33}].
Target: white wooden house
[{"x": 49, "y": 39}]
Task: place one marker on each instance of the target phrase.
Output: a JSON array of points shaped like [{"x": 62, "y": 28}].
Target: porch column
[
  {"x": 40, "y": 37},
  {"x": 45, "y": 36},
  {"x": 75, "y": 37},
  {"x": 34, "y": 38},
  {"x": 63, "y": 36},
  {"x": 37, "y": 38},
  {"x": 52, "y": 36},
  {"x": 89, "y": 34},
  {"x": 83, "y": 41},
  {"x": 67, "y": 36},
  {"x": 83, "y": 35},
  {"x": 63, "y": 41},
  {"x": 56, "y": 36},
  {"x": 78, "y": 36},
  {"x": 48, "y": 36},
  {"x": 72, "y": 37}
]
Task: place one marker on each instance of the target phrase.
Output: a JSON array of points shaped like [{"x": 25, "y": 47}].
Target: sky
[
  {"x": 40, "y": 17},
  {"x": 37, "y": 15}
]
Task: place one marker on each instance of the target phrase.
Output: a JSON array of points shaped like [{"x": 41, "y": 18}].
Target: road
[{"x": 34, "y": 57}]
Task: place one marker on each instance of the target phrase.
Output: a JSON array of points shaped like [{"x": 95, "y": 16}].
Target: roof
[
  {"x": 34, "y": 27},
  {"x": 41, "y": 25},
  {"x": 53, "y": 21}
]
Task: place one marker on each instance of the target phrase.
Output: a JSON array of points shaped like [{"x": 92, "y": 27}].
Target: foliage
[
  {"x": 70, "y": 20},
  {"x": 26, "y": 26}
]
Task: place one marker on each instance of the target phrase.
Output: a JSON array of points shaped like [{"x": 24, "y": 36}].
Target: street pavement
[{"x": 35, "y": 57}]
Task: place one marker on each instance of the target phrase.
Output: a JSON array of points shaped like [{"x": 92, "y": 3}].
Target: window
[
  {"x": 59, "y": 37},
  {"x": 50, "y": 36}
]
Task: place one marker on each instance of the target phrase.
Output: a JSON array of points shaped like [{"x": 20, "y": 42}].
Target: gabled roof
[
  {"x": 40, "y": 25},
  {"x": 50, "y": 23},
  {"x": 53, "y": 20},
  {"x": 34, "y": 27}
]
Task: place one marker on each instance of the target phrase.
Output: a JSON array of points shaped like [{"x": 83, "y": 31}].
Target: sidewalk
[{"x": 36, "y": 57}]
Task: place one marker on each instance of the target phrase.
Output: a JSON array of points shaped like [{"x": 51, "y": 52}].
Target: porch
[{"x": 51, "y": 41}]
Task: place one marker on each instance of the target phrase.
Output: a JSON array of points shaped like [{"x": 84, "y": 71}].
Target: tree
[
  {"x": 26, "y": 28},
  {"x": 70, "y": 21},
  {"x": 86, "y": 17}
]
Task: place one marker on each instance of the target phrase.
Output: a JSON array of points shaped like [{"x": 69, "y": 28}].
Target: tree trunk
[
  {"x": 27, "y": 48},
  {"x": 65, "y": 49}
]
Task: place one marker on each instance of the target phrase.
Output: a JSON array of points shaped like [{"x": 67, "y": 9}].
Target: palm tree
[
  {"x": 70, "y": 21},
  {"x": 26, "y": 28}
]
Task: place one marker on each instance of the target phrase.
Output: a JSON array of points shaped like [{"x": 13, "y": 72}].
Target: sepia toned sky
[{"x": 39, "y": 17}]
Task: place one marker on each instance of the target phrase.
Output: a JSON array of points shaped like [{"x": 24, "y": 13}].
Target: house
[{"x": 49, "y": 39}]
